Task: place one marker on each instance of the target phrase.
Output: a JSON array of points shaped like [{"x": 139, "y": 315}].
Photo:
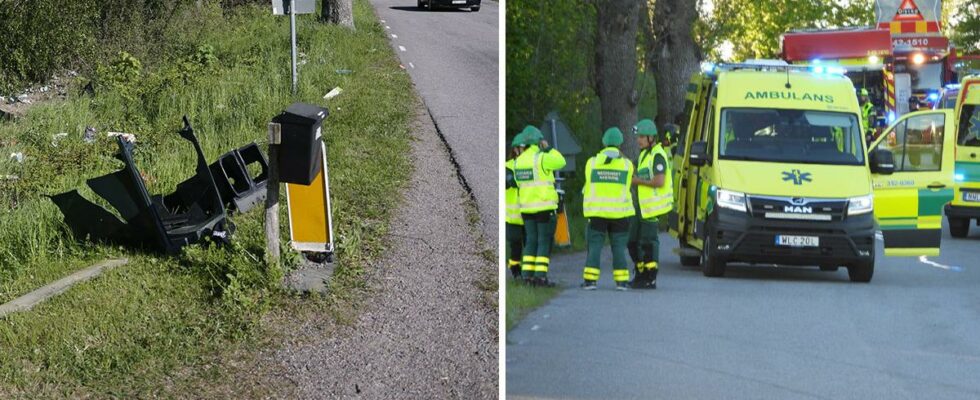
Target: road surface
[
  {"x": 453, "y": 58},
  {"x": 759, "y": 332}
]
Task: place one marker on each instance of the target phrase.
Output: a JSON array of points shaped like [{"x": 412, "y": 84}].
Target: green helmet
[
  {"x": 645, "y": 127},
  {"x": 518, "y": 140},
  {"x": 612, "y": 137},
  {"x": 531, "y": 135},
  {"x": 864, "y": 92}
]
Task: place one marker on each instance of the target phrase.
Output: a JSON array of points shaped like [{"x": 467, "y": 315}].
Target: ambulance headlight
[
  {"x": 730, "y": 200},
  {"x": 860, "y": 205}
]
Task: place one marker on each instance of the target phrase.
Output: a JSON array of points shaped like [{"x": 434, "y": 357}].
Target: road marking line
[
  {"x": 387, "y": 27},
  {"x": 402, "y": 48},
  {"x": 394, "y": 36},
  {"x": 926, "y": 261},
  {"x": 411, "y": 65},
  {"x": 384, "y": 22},
  {"x": 536, "y": 327}
]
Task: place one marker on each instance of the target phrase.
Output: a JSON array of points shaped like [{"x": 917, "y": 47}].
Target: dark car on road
[{"x": 474, "y": 5}]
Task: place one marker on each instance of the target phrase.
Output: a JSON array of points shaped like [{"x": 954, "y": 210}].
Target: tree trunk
[
  {"x": 340, "y": 12},
  {"x": 615, "y": 67},
  {"x": 674, "y": 56}
]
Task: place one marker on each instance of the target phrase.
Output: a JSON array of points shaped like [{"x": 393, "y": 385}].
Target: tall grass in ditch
[{"x": 229, "y": 80}]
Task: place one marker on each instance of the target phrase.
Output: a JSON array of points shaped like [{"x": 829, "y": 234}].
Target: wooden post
[{"x": 272, "y": 198}]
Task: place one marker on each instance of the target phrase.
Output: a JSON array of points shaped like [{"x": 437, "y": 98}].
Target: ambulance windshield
[{"x": 793, "y": 136}]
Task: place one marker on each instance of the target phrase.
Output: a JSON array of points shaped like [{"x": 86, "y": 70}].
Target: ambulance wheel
[
  {"x": 862, "y": 271},
  {"x": 690, "y": 261},
  {"x": 711, "y": 265},
  {"x": 958, "y": 227}
]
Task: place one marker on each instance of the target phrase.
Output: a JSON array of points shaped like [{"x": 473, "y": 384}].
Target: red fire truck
[{"x": 903, "y": 62}]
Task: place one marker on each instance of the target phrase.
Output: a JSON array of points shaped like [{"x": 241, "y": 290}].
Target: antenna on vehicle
[{"x": 788, "y": 86}]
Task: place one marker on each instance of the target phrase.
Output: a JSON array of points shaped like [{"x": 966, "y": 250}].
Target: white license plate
[
  {"x": 459, "y": 1},
  {"x": 971, "y": 196},
  {"x": 797, "y": 241}
]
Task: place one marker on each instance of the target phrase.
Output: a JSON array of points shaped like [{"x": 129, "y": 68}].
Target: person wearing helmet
[
  {"x": 607, "y": 203},
  {"x": 654, "y": 192},
  {"x": 534, "y": 174},
  {"x": 514, "y": 234},
  {"x": 867, "y": 112}
]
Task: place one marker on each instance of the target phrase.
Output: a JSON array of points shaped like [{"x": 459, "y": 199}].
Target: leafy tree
[
  {"x": 754, "y": 27},
  {"x": 965, "y": 26}
]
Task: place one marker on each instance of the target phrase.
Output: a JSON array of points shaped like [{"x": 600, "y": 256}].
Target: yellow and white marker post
[{"x": 310, "y": 221}]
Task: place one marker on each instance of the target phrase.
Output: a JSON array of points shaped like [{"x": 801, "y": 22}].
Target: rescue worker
[
  {"x": 535, "y": 178},
  {"x": 607, "y": 203},
  {"x": 654, "y": 191},
  {"x": 515, "y": 224},
  {"x": 867, "y": 112}
]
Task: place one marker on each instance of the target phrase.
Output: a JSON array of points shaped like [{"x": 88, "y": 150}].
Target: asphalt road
[
  {"x": 759, "y": 332},
  {"x": 452, "y": 56}
]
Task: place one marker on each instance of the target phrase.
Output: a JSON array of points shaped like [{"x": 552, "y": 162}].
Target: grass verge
[
  {"x": 522, "y": 299},
  {"x": 149, "y": 329}
]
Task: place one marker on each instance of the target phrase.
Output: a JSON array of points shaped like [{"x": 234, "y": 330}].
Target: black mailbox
[{"x": 299, "y": 148}]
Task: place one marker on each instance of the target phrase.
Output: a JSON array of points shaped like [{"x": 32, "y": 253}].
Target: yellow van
[
  {"x": 773, "y": 169},
  {"x": 966, "y": 198}
]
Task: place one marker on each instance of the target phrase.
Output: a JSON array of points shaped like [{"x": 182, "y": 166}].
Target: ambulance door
[
  {"x": 698, "y": 182},
  {"x": 693, "y": 108},
  {"x": 908, "y": 204}
]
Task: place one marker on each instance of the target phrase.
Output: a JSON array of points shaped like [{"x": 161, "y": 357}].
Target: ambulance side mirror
[
  {"x": 882, "y": 162},
  {"x": 699, "y": 154}
]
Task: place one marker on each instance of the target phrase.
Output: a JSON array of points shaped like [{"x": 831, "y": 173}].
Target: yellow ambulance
[
  {"x": 773, "y": 169},
  {"x": 965, "y": 206}
]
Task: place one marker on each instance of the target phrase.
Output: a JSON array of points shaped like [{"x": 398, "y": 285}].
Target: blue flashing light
[
  {"x": 836, "y": 70},
  {"x": 707, "y": 67},
  {"x": 959, "y": 177},
  {"x": 891, "y": 117},
  {"x": 818, "y": 70},
  {"x": 815, "y": 61},
  {"x": 933, "y": 96}
]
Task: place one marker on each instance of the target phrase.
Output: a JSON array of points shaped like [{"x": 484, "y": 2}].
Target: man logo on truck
[
  {"x": 798, "y": 209},
  {"x": 797, "y": 177}
]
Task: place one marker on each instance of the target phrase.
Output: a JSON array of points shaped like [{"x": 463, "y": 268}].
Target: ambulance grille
[{"x": 797, "y": 208}]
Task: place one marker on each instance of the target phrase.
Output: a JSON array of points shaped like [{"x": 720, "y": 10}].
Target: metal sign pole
[{"x": 292, "y": 37}]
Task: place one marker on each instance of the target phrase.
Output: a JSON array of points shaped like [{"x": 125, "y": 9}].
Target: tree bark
[
  {"x": 616, "y": 65},
  {"x": 340, "y": 12},
  {"x": 674, "y": 56}
]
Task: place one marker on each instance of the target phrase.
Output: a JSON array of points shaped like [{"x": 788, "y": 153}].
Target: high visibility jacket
[
  {"x": 867, "y": 109},
  {"x": 654, "y": 202},
  {"x": 606, "y": 194},
  {"x": 513, "y": 202},
  {"x": 534, "y": 174}
]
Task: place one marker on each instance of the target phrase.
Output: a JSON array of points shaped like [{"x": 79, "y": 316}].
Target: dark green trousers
[
  {"x": 617, "y": 231},
  {"x": 515, "y": 240},
  {"x": 539, "y": 233}
]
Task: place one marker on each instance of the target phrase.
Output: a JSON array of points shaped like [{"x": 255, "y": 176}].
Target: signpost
[{"x": 293, "y": 7}]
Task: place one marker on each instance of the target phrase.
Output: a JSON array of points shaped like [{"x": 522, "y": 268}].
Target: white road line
[
  {"x": 387, "y": 27},
  {"x": 384, "y": 22},
  {"x": 411, "y": 65},
  {"x": 535, "y": 327},
  {"x": 926, "y": 261},
  {"x": 402, "y": 48}
]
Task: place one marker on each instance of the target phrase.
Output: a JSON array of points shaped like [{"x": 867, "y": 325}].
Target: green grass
[
  {"x": 147, "y": 328},
  {"x": 522, "y": 299}
]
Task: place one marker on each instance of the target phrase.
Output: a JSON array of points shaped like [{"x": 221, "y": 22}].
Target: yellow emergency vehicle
[
  {"x": 965, "y": 206},
  {"x": 772, "y": 168}
]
